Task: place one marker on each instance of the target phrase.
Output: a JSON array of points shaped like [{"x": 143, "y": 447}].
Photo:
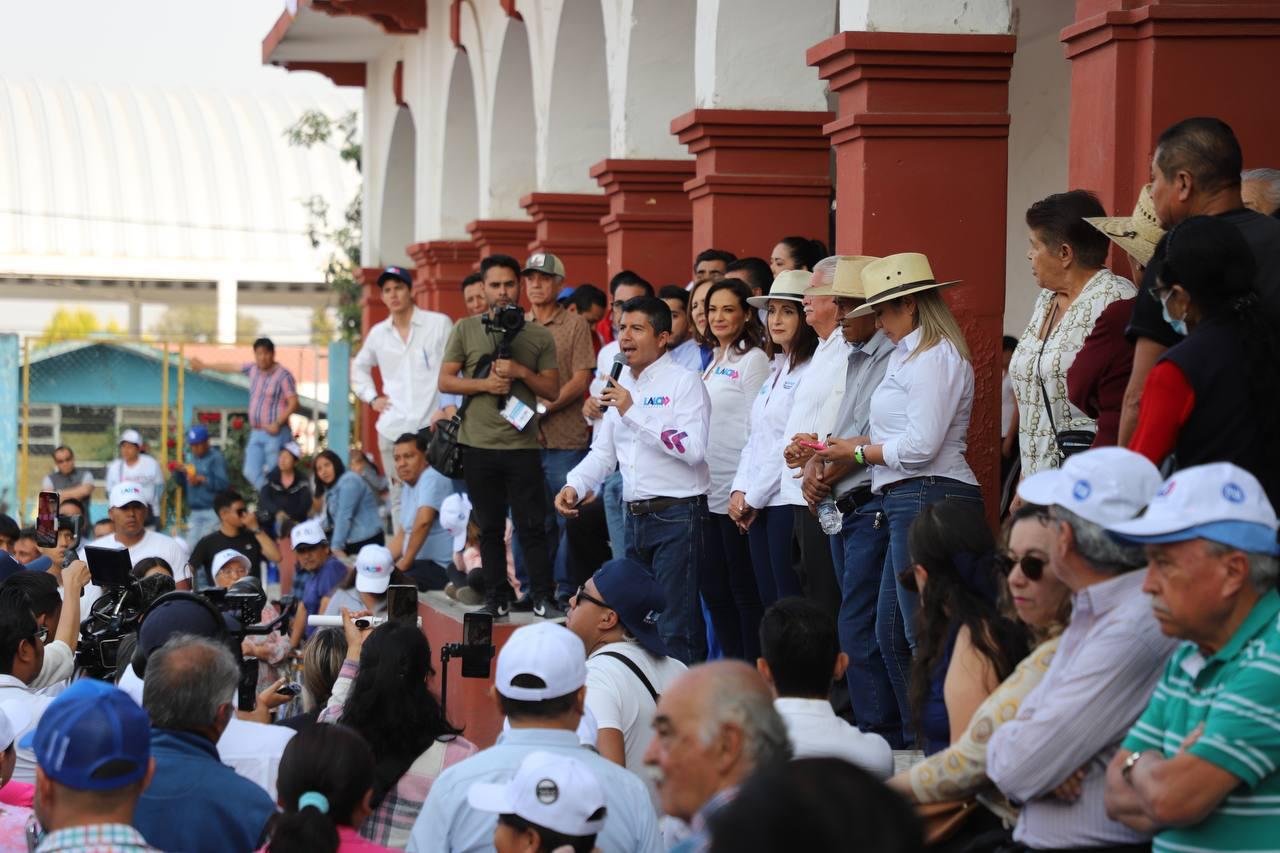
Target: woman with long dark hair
[
  {"x": 350, "y": 506},
  {"x": 1215, "y": 396},
  {"x": 326, "y": 776},
  {"x": 964, "y": 646},
  {"x": 382, "y": 694}
]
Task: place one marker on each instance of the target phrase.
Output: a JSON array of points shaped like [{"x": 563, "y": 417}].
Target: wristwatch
[{"x": 1130, "y": 763}]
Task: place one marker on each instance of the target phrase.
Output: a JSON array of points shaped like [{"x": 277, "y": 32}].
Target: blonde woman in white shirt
[
  {"x": 756, "y": 502},
  {"x": 733, "y": 378},
  {"x": 919, "y": 429}
]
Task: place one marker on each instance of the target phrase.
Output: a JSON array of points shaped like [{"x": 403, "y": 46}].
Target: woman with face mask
[{"x": 1213, "y": 396}]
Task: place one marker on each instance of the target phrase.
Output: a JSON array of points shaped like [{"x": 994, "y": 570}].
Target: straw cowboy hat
[
  {"x": 847, "y": 282},
  {"x": 894, "y": 276},
  {"x": 1136, "y": 234},
  {"x": 789, "y": 286}
]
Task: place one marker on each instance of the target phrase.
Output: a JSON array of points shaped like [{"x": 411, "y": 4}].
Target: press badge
[{"x": 516, "y": 413}]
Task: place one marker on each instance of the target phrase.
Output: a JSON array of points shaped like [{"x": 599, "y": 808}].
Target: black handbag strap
[
  {"x": 1044, "y": 392},
  {"x": 631, "y": 665}
]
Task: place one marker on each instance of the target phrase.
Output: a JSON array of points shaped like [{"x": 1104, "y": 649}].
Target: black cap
[{"x": 398, "y": 273}]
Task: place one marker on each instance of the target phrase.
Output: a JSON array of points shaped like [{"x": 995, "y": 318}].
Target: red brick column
[
  {"x": 568, "y": 226},
  {"x": 440, "y": 267},
  {"x": 501, "y": 237},
  {"x": 921, "y": 148},
  {"x": 649, "y": 227},
  {"x": 372, "y": 312},
  {"x": 759, "y": 176}
]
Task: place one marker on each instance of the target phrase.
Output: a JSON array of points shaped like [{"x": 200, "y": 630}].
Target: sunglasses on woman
[{"x": 1032, "y": 567}]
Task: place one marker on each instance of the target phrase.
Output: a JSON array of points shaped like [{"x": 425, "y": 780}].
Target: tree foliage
[{"x": 68, "y": 324}]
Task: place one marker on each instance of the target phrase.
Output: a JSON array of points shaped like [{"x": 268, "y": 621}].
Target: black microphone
[{"x": 619, "y": 361}]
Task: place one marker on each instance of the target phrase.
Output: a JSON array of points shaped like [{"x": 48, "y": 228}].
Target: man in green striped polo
[{"x": 1199, "y": 768}]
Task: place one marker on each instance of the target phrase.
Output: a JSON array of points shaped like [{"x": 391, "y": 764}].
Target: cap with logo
[
  {"x": 1106, "y": 486},
  {"x": 398, "y": 273},
  {"x": 544, "y": 262},
  {"x": 93, "y": 737},
  {"x": 555, "y": 792},
  {"x": 123, "y": 494},
  {"x": 1220, "y": 502},
  {"x": 132, "y": 436},
  {"x": 228, "y": 555},
  {"x": 550, "y": 656},
  {"x": 197, "y": 434},
  {"x": 455, "y": 512},
  {"x": 634, "y": 594},
  {"x": 374, "y": 565},
  {"x": 307, "y": 533}
]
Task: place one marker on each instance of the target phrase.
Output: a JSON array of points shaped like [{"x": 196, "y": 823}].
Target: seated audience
[
  {"x": 365, "y": 586},
  {"x": 148, "y": 566},
  {"x": 286, "y": 495},
  {"x": 1053, "y": 755},
  {"x": 237, "y": 529},
  {"x": 326, "y": 781},
  {"x": 56, "y": 614},
  {"x": 318, "y": 574},
  {"x": 1198, "y": 768},
  {"x": 322, "y": 659},
  {"x": 965, "y": 646},
  {"x": 715, "y": 727},
  {"x": 540, "y": 685},
  {"x": 94, "y": 759},
  {"x": 271, "y": 649},
  {"x": 128, "y": 517},
  {"x": 553, "y": 804},
  {"x": 424, "y": 547},
  {"x": 382, "y": 694},
  {"x": 195, "y": 802},
  {"x": 801, "y": 659},
  {"x": 351, "y": 506}
]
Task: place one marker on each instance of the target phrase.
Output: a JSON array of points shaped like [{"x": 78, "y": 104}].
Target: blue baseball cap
[
  {"x": 398, "y": 273},
  {"x": 565, "y": 293},
  {"x": 197, "y": 434},
  {"x": 93, "y": 737},
  {"x": 634, "y": 594}
]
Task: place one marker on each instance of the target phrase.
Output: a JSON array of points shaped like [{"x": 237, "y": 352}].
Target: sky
[{"x": 148, "y": 43}]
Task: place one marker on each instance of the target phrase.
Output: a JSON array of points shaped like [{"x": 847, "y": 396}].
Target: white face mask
[{"x": 1178, "y": 326}]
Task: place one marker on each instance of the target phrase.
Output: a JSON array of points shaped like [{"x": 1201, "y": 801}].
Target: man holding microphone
[{"x": 655, "y": 430}]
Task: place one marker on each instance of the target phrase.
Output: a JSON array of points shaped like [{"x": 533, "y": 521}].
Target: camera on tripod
[{"x": 507, "y": 321}]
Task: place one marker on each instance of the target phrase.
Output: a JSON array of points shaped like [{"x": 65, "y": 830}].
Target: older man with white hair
[
  {"x": 1052, "y": 757},
  {"x": 1199, "y": 767}
]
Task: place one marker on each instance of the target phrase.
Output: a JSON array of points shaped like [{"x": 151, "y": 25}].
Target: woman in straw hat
[
  {"x": 919, "y": 427},
  {"x": 756, "y": 501},
  {"x": 1066, "y": 256}
]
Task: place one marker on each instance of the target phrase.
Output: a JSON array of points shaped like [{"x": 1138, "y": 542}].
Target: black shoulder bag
[
  {"x": 1070, "y": 441},
  {"x": 631, "y": 665},
  {"x": 443, "y": 451}
]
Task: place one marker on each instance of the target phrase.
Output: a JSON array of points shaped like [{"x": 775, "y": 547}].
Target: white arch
[
  {"x": 651, "y": 46},
  {"x": 574, "y": 134},
  {"x": 512, "y": 170},
  {"x": 460, "y": 178},
  {"x": 395, "y": 231}
]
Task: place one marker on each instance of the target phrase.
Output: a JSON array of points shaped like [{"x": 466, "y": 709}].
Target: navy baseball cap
[
  {"x": 179, "y": 613},
  {"x": 398, "y": 273},
  {"x": 93, "y": 737},
  {"x": 197, "y": 434},
  {"x": 634, "y": 594}
]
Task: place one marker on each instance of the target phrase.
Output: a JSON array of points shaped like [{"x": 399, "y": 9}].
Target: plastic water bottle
[{"x": 829, "y": 517}]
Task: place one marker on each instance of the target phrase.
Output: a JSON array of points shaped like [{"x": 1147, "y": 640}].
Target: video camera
[{"x": 507, "y": 321}]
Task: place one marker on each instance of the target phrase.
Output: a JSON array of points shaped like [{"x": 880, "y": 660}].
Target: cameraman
[
  {"x": 238, "y": 530},
  {"x": 499, "y": 434}
]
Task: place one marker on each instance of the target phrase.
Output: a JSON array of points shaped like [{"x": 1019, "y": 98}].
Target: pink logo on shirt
[{"x": 673, "y": 439}]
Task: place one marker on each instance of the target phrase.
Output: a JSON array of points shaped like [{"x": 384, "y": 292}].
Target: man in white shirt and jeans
[
  {"x": 655, "y": 431},
  {"x": 615, "y": 614},
  {"x": 407, "y": 348}
]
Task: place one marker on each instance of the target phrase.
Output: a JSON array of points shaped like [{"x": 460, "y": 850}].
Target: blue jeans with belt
[
  {"x": 669, "y": 543},
  {"x": 895, "y": 621}
]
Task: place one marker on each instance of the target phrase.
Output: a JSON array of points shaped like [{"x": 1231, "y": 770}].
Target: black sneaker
[
  {"x": 547, "y": 608},
  {"x": 498, "y": 608},
  {"x": 523, "y": 604}
]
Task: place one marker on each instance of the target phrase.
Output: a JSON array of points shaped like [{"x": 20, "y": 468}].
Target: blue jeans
[
  {"x": 200, "y": 523},
  {"x": 902, "y": 502},
  {"x": 260, "y": 453},
  {"x": 669, "y": 544},
  {"x": 556, "y": 465},
  {"x": 858, "y": 553},
  {"x": 615, "y": 514},
  {"x": 770, "y": 539},
  {"x": 728, "y": 588}
]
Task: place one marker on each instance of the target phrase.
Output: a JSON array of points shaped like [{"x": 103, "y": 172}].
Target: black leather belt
[
  {"x": 652, "y": 505},
  {"x": 853, "y": 499}
]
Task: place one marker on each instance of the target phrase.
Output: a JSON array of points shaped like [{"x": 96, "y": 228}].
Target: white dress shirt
[
  {"x": 688, "y": 354},
  {"x": 410, "y": 370},
  {"x": 816, "y": 732},
  {"x": 761, "y": 468},
  {"x": 816, "y": 402},
  {"x": 920, "y": 414},
  {"x": 13, "y": 690},
  {"x": 660, "y": 445},
  {"x": 1096, "y": 687},
  {"x": 733, "y": 382}
]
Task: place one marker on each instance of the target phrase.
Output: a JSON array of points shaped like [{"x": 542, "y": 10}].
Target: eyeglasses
[
  {"x": 42, "y": 634},
  {"x": 1032, "y": 567},
  {"x": 583, "y": 595}
]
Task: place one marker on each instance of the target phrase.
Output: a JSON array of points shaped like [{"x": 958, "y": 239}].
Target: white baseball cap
[
  {"x": 1106, "y": 486},
  {"x": 455, "y": 512},
  {"x": 307, "y": 533},
  {"x": 14, "y": 719},
  {"x": 374, "y": 565},
  {"x": 1220, "y": 502},
  {"x": 548, "y": 652},
  {"x": 555, "y": 792},
  {"x": 293, "y": 448},
  {"x": 227, "y": 555},
  {"x": 132, "y": 436},
  {"x": 128, "y": 492}
]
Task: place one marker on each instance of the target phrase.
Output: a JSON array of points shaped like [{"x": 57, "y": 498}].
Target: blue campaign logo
[
  {"x": 1081, "y": 490},
  {"x": 1233, "y": 493},
  {"x": 656, "y": 401}
]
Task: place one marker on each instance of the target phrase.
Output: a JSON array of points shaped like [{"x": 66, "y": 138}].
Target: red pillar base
[
  {"x": 501, "y": 237},
  {"x": 921, "y": 148},
  {"x": 649, "y": 227},
  {"x": 441, "y": 265},
  {"x": 760, "y": 175},
  {"x": 372, "y": 312},
  {"x": 568, "y": 226}
]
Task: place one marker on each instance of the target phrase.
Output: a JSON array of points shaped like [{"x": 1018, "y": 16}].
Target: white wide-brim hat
[{"x": 789, "y": 286}]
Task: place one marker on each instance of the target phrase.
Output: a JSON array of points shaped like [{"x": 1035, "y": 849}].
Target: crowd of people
[{"x": 768, "y": 608}]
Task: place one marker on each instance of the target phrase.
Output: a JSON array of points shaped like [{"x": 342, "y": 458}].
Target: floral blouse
[{"x": 1035, "y": 434}]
